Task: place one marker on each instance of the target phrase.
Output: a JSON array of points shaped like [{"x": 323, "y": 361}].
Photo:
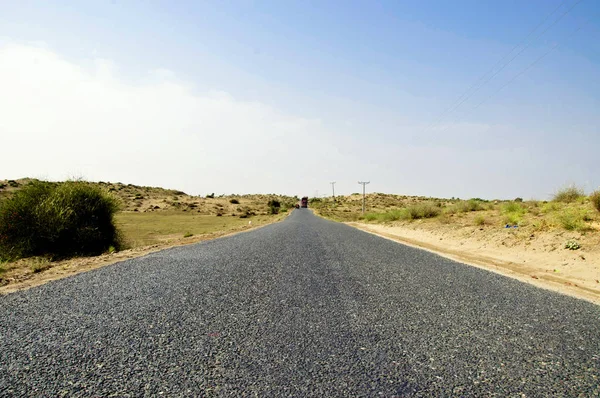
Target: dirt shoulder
[
  {"x": 62, "y": 269},
  {"x": 539, "y": 259}
]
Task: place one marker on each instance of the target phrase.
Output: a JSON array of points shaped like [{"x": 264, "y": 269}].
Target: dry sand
[{"x": 539, "y": 259}]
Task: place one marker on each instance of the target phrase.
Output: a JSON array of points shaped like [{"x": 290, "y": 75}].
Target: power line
[
  {"x": 531, "y": 65},
  {"x": 481, "y": 82}
]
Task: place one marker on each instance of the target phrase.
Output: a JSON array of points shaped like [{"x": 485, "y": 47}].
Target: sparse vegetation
[
  {"x": 465, "y": 206},
  {"x": 513, "y": 213},
  {"x": 234, "y": 201},
  {"x": 423, "y": 210},
  {"x": 568, "y": 194},
  {"x": 188, "y": 235},
  {"x": 595, "y": 199},
  {"x": 572, "y": 219},
  {"x": 39, "y": 264},
  {"x": 572, "y": 245},
  {"x": 413, "y": 212}
]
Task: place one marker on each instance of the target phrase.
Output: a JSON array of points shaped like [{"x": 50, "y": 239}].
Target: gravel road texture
[{"x": 304, "y": 307}]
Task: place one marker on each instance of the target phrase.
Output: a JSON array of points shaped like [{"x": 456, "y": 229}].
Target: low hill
[{"x": 135, "y": 198}]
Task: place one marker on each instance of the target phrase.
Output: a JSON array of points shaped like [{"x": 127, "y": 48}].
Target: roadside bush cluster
[
  {"x": 274, "y": 206},
  {"x": 465, "y": 206},
  {"x": 423, "y": 210},
  {"x": 246, "y": 212},
  {"x": 59, "y": 220},
  {"x": 568, "y": 194},
  {"x": 573, "y": 219},
  {"x": 513, "y": 212},
  {"x": 413, "y": 212}
]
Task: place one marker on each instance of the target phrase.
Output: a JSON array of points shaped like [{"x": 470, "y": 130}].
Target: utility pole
[
  {"x": 333, "y": 189},
  {"x": 364, "y": 183}
]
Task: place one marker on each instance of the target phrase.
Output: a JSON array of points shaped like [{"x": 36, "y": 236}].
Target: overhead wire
[
  {"x": 474, "y": 88},
  {"x": 522, "y": 72}
]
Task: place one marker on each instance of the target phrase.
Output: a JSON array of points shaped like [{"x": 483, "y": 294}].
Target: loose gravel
[{"x": 304, "y": 307}]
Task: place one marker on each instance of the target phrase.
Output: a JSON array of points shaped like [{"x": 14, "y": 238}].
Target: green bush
[
  {"x": 572, "y": 219},
  {"x": 58, "y": 220},
  {"x": 595, "y": 199},
  {"x": 513, "y": 212},
  {"x": 246, "y": 212},
  {"x": 512, "y": 218},
  {"x": 372, "y": 216},
  {"x": 423, "y": 210},
  {"x": 274, "y": 203},
  {"x": 568, "y": 194},
  {"x": 572, "y": 245},
  {"x": 513, "y": 207},
  {"x": 465, "y": 206},
  {"x": 479, "y": 220},
  {"x": 273, "y": 210}
]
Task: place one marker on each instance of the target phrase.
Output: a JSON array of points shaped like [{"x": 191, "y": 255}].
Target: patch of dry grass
[{"x": 144, "y": 229}]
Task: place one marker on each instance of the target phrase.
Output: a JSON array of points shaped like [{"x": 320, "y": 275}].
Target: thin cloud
[{"x": 65, "y": 119}]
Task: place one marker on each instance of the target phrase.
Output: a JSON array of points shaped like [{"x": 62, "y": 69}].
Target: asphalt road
[{"x": 305, "y": 307}]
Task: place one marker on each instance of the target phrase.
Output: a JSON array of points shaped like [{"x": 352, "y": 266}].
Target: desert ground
[{"x": 552, "y": 244}]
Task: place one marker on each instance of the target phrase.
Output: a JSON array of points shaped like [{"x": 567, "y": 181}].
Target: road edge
[
  {"x": 489, "y": 264},
  {"x": 60, "y": 272}
]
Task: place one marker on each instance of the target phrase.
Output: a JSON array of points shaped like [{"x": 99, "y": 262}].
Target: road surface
[{"x": 304, "y": 307}]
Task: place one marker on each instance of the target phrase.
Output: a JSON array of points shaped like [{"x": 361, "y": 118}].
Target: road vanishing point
[{"x": 302, "y": 308}]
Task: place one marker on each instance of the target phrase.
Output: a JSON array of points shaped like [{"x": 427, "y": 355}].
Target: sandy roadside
[
  {"x": 537, "y": 260},
  {"x": 74, "y": 266}
]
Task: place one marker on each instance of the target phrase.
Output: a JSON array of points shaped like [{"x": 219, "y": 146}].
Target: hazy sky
[{"x": 282, "y": 96}]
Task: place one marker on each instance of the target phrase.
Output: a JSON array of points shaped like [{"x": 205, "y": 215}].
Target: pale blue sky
[{"x": 284, "y": 96}]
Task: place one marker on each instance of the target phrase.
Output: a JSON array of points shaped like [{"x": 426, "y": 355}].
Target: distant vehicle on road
[{"x": 305, "y": 202}]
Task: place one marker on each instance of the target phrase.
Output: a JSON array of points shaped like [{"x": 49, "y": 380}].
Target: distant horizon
[
  {"x": 324, "y": 195},
  {"x": 465, "y": 99}
]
